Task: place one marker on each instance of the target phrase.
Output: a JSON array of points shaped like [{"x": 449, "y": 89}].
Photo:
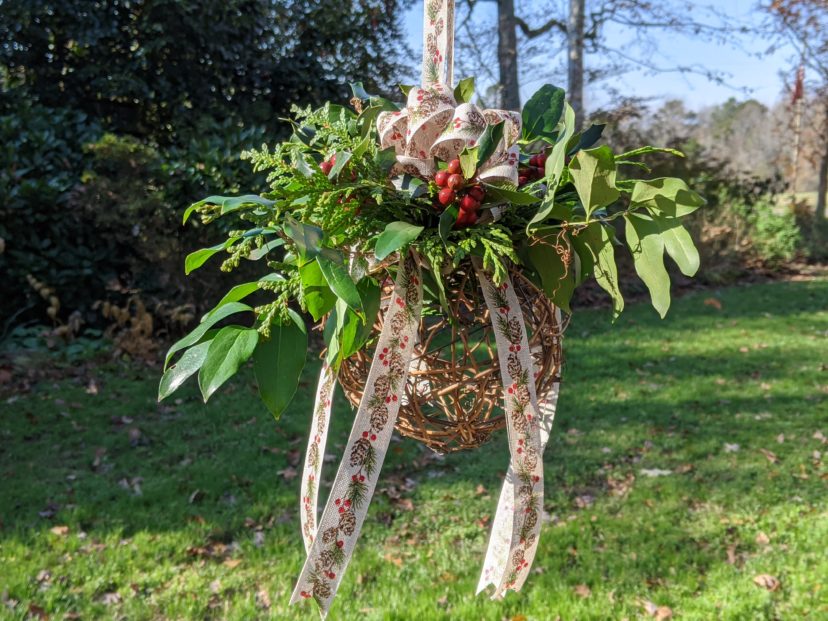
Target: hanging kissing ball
[
  {"x": 446, "y": 196},
  {"x": 456, "y": 181},
  {"x": 454, "y": 167},
  {"x": 441, "y": 178}
]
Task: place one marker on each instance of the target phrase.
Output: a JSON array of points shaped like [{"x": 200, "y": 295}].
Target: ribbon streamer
[{"x": 367, "y": 445}]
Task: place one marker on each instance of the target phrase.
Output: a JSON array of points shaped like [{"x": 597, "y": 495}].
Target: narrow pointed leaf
[
  {"x": 207, "y": 322},
  {"x": 278, "y": 364},
  {"x": 228, "y": 350},
  {"x": 395, "y": 236},
  {"x": 647, "y": 247}
]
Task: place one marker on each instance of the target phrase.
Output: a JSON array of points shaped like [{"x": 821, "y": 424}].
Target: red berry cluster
[
  {"x": 453, "y": 186},
  {"x": 328, "y": 164},
  {"x": 533, "y": 171}
]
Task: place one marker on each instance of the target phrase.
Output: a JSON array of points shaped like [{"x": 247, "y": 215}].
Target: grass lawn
[{"x": 687, "y": 464}]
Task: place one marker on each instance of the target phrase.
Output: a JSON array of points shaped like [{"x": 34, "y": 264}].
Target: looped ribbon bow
[{"x": 432, "y": 126}]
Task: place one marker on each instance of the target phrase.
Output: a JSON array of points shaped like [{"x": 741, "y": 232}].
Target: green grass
[{"x": 213, "y": 533}]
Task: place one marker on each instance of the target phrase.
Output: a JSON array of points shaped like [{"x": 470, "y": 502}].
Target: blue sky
[{"x": 760, "y": 75}]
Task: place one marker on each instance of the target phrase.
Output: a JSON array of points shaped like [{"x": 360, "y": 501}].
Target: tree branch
[{"x": 531, "y": 33}]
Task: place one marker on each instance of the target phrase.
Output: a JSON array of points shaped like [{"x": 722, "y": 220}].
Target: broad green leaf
[
  {"x": 500, "y": 194},
  {"x": 464, "y": 91},
  {"x": 342, "y": 158},
  {"x": 395, "y": 236},
  {"x": 468, "y": 161},
  {"x": 207, "y": 322},
  {"x": 596, "y": 240},
  {"x": 318, "y": 297},
  {"x": 678, "y": 244},
  {"x": 258, "y": 253},
  {"x": 308, "y": 238},
  {"x": 198, "y": 258},
  {"x": 555, "y": 162},
  {"x": 229, "y": 203},
  {"x": 186, "y": 366},
  {"x": 278, "y": 364},
  {"x": 542, "y": 112},
  {"x": 589, "y": 137},
  {"x": 237, "y": 293},
  {"x": 647, "y": 247},
  {"x": 488, "y": 142},
  {"x": 557, "y": 281},
  {"x": 339, "y": 279},
  {"x": 410, "y": 186},
  {"x": 447, "y": 220},
  {"x": 667, "y": 195},
  {"x": 649, "y": 149},
  {"x": 385, "y": 159},
  {"x": 593, "y": 174},
  {"x": 352, "y": 331},
  {"x": 228, "y": 350}
]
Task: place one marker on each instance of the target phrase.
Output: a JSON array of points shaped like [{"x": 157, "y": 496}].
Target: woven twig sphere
[{"x": 454, "y": 394}]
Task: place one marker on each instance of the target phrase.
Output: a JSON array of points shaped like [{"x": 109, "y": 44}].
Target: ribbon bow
[{"x": 433, "y": 125}]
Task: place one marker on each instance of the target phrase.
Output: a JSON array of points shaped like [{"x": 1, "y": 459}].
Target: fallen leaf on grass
[
  {"x": 780, "y": 438},
  {"x": 818, "y": 435},
  {"x": 685, "y": 468},
  {"x": 582, "y": 590},
  {"x": 394, "y": 559},
  {"x": 232, "y": 563},
  {"x": 731, "y": 555},
  {"x": 766, "y": 581},
  {"x": 289, "y": 473},
  {"x": 660, "y": 613},
  {"x": 37, "y": 611},
  {"x": 263, "y": 599},
  {"x": 762, "y": 539},
  {"x": 518, "y": 618},
  {"x": 713, "y": 302},
  {"x": 110, "y": 599},
  {"x": 769, "y": 455},
  {"x": 480, "y": 490},
  {"x": 61, "y": 531},
  {"x": 731, "y": 448},
  {"x": 655, "y": 472}
]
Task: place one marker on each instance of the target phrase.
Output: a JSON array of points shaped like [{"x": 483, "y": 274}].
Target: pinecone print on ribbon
[
  {"x": 531, "y": 519},
  {"x": 379, "y": 417},
  {"x": 330, "y": 535},
  {"x": 398, "y": 322},
  {"x": 513, "y": 366},
  {"x": 382, "y": 385},
  {"x": 313, "y": 455},
  {"x": 518, "y": 556},
  {"x": 321, "y": 589},
  {"x": 326, "y": 560},
  {"x": 359, "y": 453},
  {"x": 347, "y": 522}
]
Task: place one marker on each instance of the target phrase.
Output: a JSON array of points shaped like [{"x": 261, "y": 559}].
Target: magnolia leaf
[
  {"x": 228, "y": 350},
  {"x": 198, "y": 258},
  {"x": 595, "y": 239},
  {"x": 278, "y": 363},
  {"x": 488, "y": 142},
  {"x": 308, "y": 238},
  {"x": 317, "y": 295},
  {"x": 557, "y": 281},
  {"x": 186, "y": 366},
  {"x": 464, "y": 91},
  {"x": 647, "y": 247},
  {"x": 468, "y": 161},
  {"x": 593, "y": 174},
  {"x": 395, "y": 236},
  {"x": 678, "y": 244},
  {"x": 339, "y": 279},
  {"x": 209, "y": 320},
  {"x": 542, "y": 113},
  {"x": 667, "y": 195},
  {"x": 588, "y": 137}
]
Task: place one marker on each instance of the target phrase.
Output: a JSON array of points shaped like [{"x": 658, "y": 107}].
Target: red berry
[
  {"x": 522, "y": 180},
  {"x": 339, "y": 544},
  {"x": 533, "y": 161},
  {"x": 446, "y": 196},
  {"x": 455, "y": 182},
  {"x": 469, "y": 203},
  {"x": 454, "y": 166},
  {"x": 542, "y": 159},
  {"x": 477, "y": 193},
  {"x": 441, "y": 178},
  {"x": 326, "y": 167}
]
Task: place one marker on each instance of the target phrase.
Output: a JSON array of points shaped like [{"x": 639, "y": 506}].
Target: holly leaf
[
  {"x": 464, "y": 91},
  {"x": 278, "y": 363},
  {"x": 228, "y": 204},
  {"x": 395, "y": 236},
  {"x": 342, "y": 158},
  {"x": 593, "y": 174},
  {"x": 500, "y": 194},
  {"x": 542, "y": 113},
  {"x": 468, "y": 161},
  {"x": 488, "y": 142},
  {"x": 228, "y": 350}
]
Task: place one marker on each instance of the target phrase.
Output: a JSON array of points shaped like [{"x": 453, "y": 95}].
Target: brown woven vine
[{"x": 454, "y": 395}]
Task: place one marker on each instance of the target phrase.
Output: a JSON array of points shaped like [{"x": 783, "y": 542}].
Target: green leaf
[
  {"x": 198, "y": 258},
  {"x": 488, "y": 142},
  {"x": 447, "y": 220},
  {"x": 384, "y": 159},
  {"x": 308, "y": 238},
  {"x": 408, "y": 185},
  {"x": 207, "y": 322},
  {"x": 468, "y": 161},
  {"x": 542, "y": 113},
  {"x": 555, "y": 162},
  {"x": 649, "y": 149},
  {"x": 464, "y": 91},
  {"x": 405, "y": 88},
  {"x": 500, "y": 194},
  {"x": 258, "y": 253},
  {"x": 557, "y": 281},
  {"x": 278, "y": 364},
  {"x": 588, "y": 137},
  {"x": 342, "y": 158},
  {"x": 186, "y": 366},
  {"x": 339, "y": 279},
  {"x": 593, "y": 174},
  {"x": 678, "y": 244},
  {"x": 667, "y": 195},
  {"x": 647, "y": 247},
  {"x": 318, "y": 297},
  {"x": 228, "y": 350},
  {"x": 395, "y": 236},
  {"x": 596, "y": 240},
  {"x": 239, "y": 292},
  {"x": 229, "y": 203}
]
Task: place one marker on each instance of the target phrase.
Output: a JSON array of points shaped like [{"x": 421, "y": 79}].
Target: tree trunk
[
  {"x": 822, "y": 186},
  {"x": 575, "y": 44},
  {"x": 507, "y": 55}
]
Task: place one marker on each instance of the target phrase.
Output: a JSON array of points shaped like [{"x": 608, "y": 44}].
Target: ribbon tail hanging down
[
  {"x": 523, "y": 424},
  {"x": 367, "y": 445},
  {"x": 497, "y": 554},
  {"x": 315, "y": 454},
  {"x": 438, "y": 42}
]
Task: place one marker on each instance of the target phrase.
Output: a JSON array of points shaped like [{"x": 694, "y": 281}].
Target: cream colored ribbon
[
  {"x": 523, "y": 424},
  {"x": 333, "y": 544}
]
